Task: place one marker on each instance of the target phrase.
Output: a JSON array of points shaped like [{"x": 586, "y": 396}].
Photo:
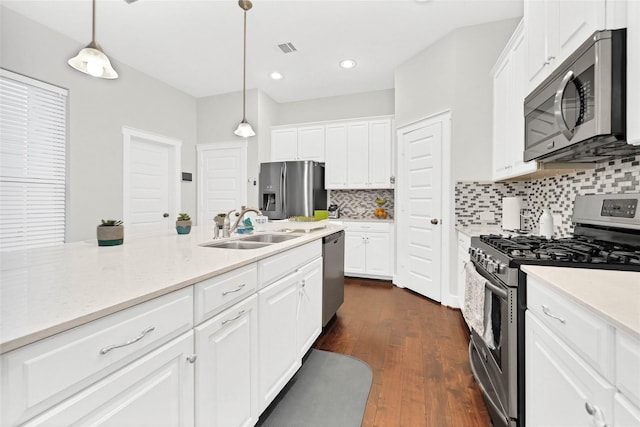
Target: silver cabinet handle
[
  {"x": 235, "y": 290},
  {"x": 548, "y": 312},
  {"x": 143, "y": 334},
  {"x": 591, "y": 410},
  {"x": 224, "y": 322},
  {"x": 192, "y": 358}
]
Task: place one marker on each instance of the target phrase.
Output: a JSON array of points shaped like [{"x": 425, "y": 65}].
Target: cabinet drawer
[
  {"x": 382, "y": 227},
  {"x": 277, "y": 266},
  {"x": 215, "y": 294},
  {"x": 37, "y": 376},
  {"x": 627, "y": 364},
  {"x": 587, "y": 334}
]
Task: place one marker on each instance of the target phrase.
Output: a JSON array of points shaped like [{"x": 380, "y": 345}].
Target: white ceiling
[{"x": 196, "y": 45}]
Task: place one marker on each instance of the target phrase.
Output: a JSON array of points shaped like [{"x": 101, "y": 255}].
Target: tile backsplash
[
  {"x": 480, "y": 203},
  {"x": 360, "y": 204}
]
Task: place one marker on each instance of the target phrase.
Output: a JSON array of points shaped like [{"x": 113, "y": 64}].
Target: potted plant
[
  {"x": 110, "y": 233},
  {"x": 183, "y": 224}
]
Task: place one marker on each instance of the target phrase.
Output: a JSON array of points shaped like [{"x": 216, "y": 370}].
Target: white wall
[
  {"x": 368, "y": 104},
  {"x": 97, "y": 111}
]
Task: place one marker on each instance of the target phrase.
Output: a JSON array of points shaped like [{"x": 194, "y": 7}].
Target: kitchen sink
[
  {"x": 236, "y": 244},
  {"x": 269, "y": 238}
]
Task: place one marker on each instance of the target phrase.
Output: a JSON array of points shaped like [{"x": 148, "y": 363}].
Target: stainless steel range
[{"x": 606, "y": 236}]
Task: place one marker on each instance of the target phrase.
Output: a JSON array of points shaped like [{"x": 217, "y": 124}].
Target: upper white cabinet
[
  {"x": 555, "y": 28},
  {"x": 508, "y": 116},
  {"x": 633, "y": 70},
  {"x": 297, "y": 143},
  {"x": 359, "y": 155}
]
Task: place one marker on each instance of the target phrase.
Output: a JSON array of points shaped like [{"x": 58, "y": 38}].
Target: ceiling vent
[{"x": 287, "y": 47}]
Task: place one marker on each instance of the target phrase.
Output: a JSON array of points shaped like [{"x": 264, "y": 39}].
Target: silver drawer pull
[
  {"x": 235, "y": 290},
  {"x": 224, "y": 322},
  {"x": 143, "y": 334},
  {"x": 548, "y": 312}
]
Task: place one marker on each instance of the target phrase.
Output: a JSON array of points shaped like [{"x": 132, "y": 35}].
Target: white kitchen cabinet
[
  {"x": 358, "y": 154},
  {"x": 336, "y": 164},
  {"x": 368, "y": 249},
  {"x": 464, "y": 243},
  {"x": 591, "y": 365},
  {"x": 297, "y": 143},
  {"x": 369, "y": 154},
  {"x": 555, "y": 28},
  {"x": 633, "y": 69},
  {"x": 227, "y": 367},
  {"x": 279, "y": 356},
  {"x": 309, "y": 321},
  {"x": 508, "y": 116},
  {"x": 561, "y": 389}
]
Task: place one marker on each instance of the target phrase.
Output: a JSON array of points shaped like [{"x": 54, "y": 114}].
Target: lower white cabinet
[
  {"x": 561, "y": 389},
  {"x": 227, "y": 367},
  {"x": 309, "y": 305},
  {"x": 155, "y": 390},
  {"x": 464, "y": 242},
  {"x": 279, "y": 358},
  {"x": 368, "y": 250}
]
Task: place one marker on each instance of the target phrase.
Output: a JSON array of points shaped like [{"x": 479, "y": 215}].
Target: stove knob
[
  {"x": 491, "y": 267},
  {"x": 472, "y": 251},
  {"x": 500, "y": 267}
]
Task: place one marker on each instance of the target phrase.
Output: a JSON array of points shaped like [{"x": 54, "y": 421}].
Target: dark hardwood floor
[{"x": 417, "y": 350}]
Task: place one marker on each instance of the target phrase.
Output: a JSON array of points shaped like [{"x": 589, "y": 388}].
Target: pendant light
[
  {"x": 92, "y": 60},
  {"x": 244, "y": 128}
]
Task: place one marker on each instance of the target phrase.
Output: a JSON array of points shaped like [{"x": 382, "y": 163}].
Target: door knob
[
  {"x": 165, "y": 215},
  {"x": 434, "y": 221}
]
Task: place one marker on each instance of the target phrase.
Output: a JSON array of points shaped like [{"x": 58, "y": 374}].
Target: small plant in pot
[
  {"x": 183, "y": 224},
  {"x": 110, "y": 232}
]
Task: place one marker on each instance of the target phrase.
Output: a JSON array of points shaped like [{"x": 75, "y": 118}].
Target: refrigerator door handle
[{"x": 283, "y": 188}]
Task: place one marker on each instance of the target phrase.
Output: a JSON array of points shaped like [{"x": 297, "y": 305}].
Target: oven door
[{"x": 495, "y": 367}]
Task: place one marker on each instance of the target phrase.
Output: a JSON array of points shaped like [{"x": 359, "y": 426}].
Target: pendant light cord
[
  {"x": 93, "y": 23},
  {"x": 244, "y": 68}
]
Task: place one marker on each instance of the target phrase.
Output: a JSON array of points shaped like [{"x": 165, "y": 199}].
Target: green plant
[
  {"x": 110, "y": 222},
  {"x": 184, "y": 217}
]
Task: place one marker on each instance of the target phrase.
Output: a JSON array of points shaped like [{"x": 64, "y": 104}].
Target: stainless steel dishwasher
[{"x": 333, "y": 275}]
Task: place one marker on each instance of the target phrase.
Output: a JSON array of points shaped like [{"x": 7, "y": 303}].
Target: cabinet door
[
  {"x": 358, "y": 155},
  {"x": 309, "y": 305},
  {"x": 227, "y": 367},
  {"x": 380, "y": 153},
  {"x": 501, "y": 118},
  {"x": 311, "y": 143},
  {"x": 559, "y": 385},
  {"x": 577, "y": 21},
  {"x": 155, "y": 390},
  {"x": 625, "y": 413},
  {"x": 279, "y": 358},
  {"x": 354, "y": 253},
  {"x": 284, "y": 144},
  {"x": 335, "y": 156},
  {"x": 377, "y": 248},
  {"x": 633, "y": 69},
  {"x": 537, "y": 28}
]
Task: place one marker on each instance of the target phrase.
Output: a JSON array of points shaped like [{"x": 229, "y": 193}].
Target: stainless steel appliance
[
  {"x": 333, "y": 275},
  {"x": 579, "y": 112},
  {"x": 606, "y": 236},
  {"x": 334, "y": 211},
  {"x": 292, "y": 189}
]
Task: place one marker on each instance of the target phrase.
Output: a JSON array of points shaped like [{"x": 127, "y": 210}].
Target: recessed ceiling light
[
  {"x": 276, "y": 75},
  {"x": 348, "y": 63}
]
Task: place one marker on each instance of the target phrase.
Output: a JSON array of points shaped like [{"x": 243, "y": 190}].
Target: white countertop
[
  {"x": 613, "y": 295},
  {"x": 47, "y": 291},
  {"x": 478, "y": 230},
  {"x": 347, "y": 219}
]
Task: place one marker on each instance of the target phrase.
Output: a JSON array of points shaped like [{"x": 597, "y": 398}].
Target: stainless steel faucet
[{"x": 240, "y": 216}]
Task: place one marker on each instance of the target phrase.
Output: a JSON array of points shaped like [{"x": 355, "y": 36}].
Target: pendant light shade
[
  {"x": 91, "y": 59},
  {"x": 244, "y": 128}
]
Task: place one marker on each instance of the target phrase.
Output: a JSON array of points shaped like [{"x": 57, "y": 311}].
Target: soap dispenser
[{"x": 546, "y": 224}]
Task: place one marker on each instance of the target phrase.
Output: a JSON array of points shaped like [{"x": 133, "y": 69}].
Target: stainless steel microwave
[{"x": 579, "y": 112}]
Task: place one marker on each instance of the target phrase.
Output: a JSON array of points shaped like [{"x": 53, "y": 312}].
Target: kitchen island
[{"x": 151, "y": 321}]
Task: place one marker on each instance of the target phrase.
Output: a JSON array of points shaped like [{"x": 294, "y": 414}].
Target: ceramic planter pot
[
  {"x": 110, "y": 235},
  {"x": 183, "y": 227}
]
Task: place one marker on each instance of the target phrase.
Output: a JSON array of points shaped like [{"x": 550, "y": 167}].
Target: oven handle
[{"x": 496, "y": 290}]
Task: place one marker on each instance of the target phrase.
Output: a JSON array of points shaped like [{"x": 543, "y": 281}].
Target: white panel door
[
  {"x": 221, "y": 175},
  {"x": 420, "y": 208},
  {"x": 151, "y": 181}
]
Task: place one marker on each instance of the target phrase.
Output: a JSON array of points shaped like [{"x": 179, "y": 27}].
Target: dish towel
[{"x": 476, "y": 309}]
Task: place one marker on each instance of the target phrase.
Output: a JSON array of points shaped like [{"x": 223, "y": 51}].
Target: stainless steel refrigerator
[{"x": 292, "y": 189}]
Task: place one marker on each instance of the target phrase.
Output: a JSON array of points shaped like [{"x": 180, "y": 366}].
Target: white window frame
[{"x": 34, "y": 175}]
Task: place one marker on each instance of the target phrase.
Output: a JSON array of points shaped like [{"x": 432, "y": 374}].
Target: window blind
[{"x": 33, "y": 139}]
